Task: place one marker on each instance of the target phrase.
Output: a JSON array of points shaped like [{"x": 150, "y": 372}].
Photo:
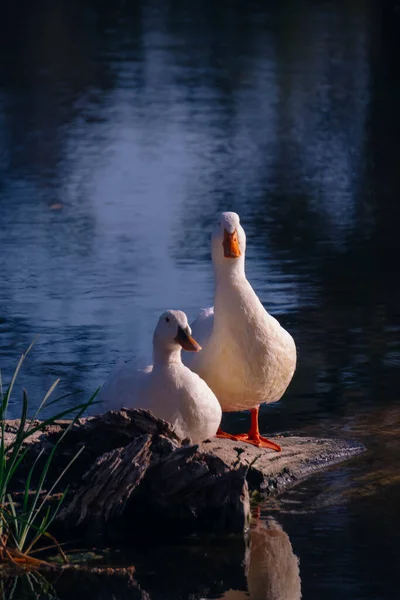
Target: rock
[{"x": 134, "y": 473}]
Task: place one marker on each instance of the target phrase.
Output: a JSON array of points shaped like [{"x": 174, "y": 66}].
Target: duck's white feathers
[
  {"x": 124, "y": 383},
  {"x": 202, "y": 327},
  {"x": 169, "y": 389},
  {"x": 172, "y": 392},
  {"x": 247, "y": 357}
]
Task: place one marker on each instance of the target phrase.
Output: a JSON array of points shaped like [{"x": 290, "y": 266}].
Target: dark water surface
[{"x": 125, "y": 127}]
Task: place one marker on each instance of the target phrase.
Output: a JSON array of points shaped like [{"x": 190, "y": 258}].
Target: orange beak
[
  {"x": 231, "y": 245},
  {"x": 186, "y": 341}
]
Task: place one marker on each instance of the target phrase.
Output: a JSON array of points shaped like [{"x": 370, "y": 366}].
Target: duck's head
[
  {"x": 173, "y": 332},
  {"x": 228, "y": 241}
]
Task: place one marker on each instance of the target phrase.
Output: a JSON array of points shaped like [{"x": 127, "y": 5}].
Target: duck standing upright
[
  {"x": 167, "y": 388},
  {"x": 247, "y": 357}
]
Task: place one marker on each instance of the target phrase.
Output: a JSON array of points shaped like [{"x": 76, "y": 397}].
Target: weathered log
[
  {"x": 152, "y": 483},
  {"x": 97, "y": 435},
  {"x": 135, "y": 473}
]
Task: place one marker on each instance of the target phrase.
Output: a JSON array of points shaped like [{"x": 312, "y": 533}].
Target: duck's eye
[{"x": 167, "y": 319}]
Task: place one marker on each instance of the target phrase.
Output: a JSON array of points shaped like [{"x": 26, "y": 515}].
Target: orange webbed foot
[
  {"x": 253, "y": 436},
  {"x": 259, "y": 441},
  {"x": 224, "y": 435}
]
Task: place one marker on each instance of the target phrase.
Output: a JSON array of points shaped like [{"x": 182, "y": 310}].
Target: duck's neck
[
  {"x": 230, "y": 272},
  {"x": 165, "y": 355},
  {"x": 232, "y": 292}
]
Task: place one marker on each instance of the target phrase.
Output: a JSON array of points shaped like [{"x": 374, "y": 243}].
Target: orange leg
[{"x": 253, "y": 436}]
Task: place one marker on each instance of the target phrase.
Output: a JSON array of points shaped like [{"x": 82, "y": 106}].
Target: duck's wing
[
  {"x": 202, "y": 327},
  {"x": 201, "y": 330},
  {"x": 122, "y": 387}
]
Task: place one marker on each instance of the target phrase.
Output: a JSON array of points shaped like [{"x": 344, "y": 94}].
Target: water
[{"x": 124, "y": 129}]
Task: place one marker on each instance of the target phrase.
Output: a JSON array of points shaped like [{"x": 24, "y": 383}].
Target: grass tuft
[{"x": 23, "y": 524}]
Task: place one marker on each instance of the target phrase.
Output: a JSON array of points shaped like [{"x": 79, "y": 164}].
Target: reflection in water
[
  {"x": 266, "y": 562},
  {"x": 273, "y": 568},
  {"x": 73, "y": 585},
  {"x": 366, "y": 477}
]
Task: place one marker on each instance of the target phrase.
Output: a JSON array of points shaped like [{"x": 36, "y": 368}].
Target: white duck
[
  {"x": 247, "y": 357},
  {"x": 169, "y": 389}
]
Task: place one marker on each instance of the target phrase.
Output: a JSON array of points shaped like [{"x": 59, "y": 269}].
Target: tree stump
[{"x": 135, "y": 474}]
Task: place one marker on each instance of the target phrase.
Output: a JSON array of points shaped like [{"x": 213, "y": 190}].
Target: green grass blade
[
  {"x": 15, "y": 447},
  {"x": 57, "y": 481},
  {"x": 59, "y": 398},
  {"x": 12, "y": 506},
  {"x": 14, "y": 518},
  {"x": 24, "y": 412},
  {"x": 64, "y": 396},
  {"x": 26, "y": 522},
  {"x": 17, "y": 459},
  {"x": 7, "y": 516},
  {"x": 6, "y": 397},
  {"x": 41, "y": 530},
  {"x": 34, "y": 509},
  {"x": 12, "y": 467},
  {"x": 46, "y": 397},
  {"x": 32, "y": 512},
  {"x": 61, "y": 500},
  {"x": 36, "y": 528},
  {"x": 28, "y": 483},
  {"x": 58, "y": 417}
]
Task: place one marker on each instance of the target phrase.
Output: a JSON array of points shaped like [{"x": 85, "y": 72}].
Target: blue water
[{"x": 124, "y": 129}]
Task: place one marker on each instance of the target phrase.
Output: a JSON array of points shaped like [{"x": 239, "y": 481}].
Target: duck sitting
[
  {"x": 247, "y": 357},
  {"x": 167, "y": 388}
]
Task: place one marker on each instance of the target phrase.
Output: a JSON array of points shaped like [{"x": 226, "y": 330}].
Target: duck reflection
[
  {"x": 265, "y": 566},
  {"x": 272, "y": 567}
]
